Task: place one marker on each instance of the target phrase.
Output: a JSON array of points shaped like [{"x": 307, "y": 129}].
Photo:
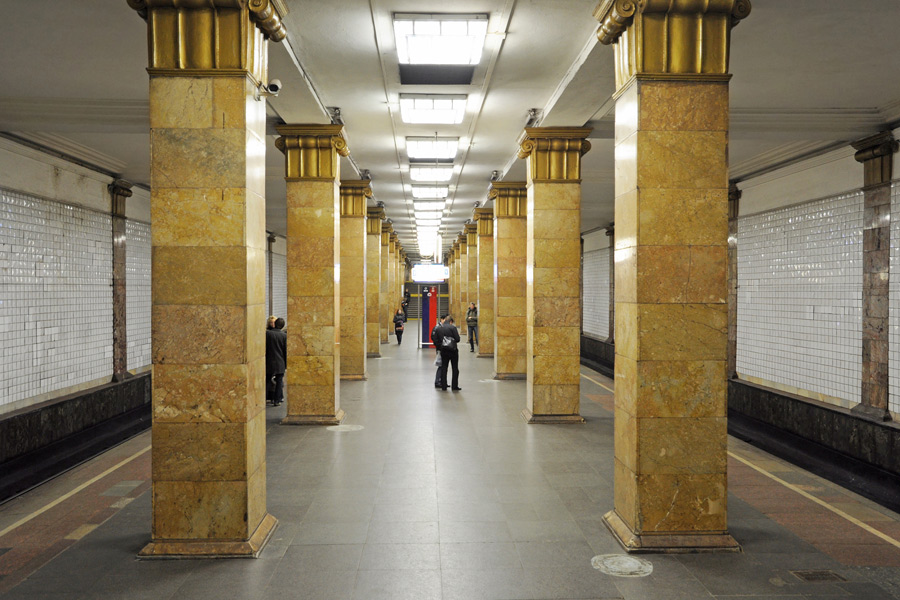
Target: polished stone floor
[{"x": 445, "y": 495}]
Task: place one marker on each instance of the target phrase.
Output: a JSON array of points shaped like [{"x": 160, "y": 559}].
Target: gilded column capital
[
  {"x": 472, "y": 234},
  {"x": 554, "y": 153},
  {"x": 212, "y": 37},
  {"x": 353, "y": 197},
  {"x": 510, "y": 199},
  {"x": 463, "y": 241},
  {"x": 484, "y": 218},
  {"x": 311, "y": 151},
  {"x": 680, "y": 39},
  {"x": 374, "y": 217}
]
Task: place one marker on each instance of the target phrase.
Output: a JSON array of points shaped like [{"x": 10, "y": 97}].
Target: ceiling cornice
[
  {"x": 835, "y": 121},
  {"x": 787, "y": 159},
  {"x": 69, "y": 148},
  {"x": 75, "y": 114}
]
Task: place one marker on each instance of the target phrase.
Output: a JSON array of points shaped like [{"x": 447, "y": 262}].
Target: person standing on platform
[
  {"x": 437, "y": 350},
  {"x": 472, "y": 324},
  {"x": 449, "y": 338},
  {"x": 276, "y": 361},
  {"x": 399, "y": 320}
]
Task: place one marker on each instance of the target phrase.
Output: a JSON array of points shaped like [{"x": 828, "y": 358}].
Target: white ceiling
[{"x": 809, "y": 75}]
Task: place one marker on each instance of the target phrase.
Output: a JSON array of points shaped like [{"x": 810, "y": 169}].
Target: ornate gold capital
[
  {"x": 554, "y": 153},
  {"x": 472, "y": 234},
  {"x": 373, "y": 221},
  {"x": 876, "y": 153},
  {"x": 484, "y": 217},
  {"x": 353, "y": 197},
  {"x": 669, "y": 37},
  {"x": 211, "y": 36},
  {"x": 463, "y": 242},
  {"x": 510, "y": 198},
  {"x": 311, "y": 151}
]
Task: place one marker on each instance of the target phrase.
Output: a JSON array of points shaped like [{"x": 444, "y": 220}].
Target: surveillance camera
[
  {"x": 274, "y": 86},
  {"x": 267, "y": 90}
]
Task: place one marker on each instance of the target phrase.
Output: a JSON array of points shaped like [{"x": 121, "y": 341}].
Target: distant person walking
[
  {"x": 472, "y": 324},
  {"x": 399, "y": 320},
  {"x": 449, "y": 338},
  {"x": 436, "y": 340},
  {"x": 276, "y": 361}
]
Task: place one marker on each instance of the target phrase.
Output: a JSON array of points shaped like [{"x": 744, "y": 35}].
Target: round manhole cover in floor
[
  {"x": 345, "y": 428},
  {"x": 622, "y": 565}
]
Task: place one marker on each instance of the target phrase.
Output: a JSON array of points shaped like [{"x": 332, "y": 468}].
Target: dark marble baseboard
[
  {"x": 41, "y": 441},
  {"x": 599, "y": 355}
]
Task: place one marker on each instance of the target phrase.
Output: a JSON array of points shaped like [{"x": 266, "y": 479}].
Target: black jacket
[
  {"x": 447, "y": 330},
  {"x": 399, "y": 320},
  {"x": 276, "y": 351},
  {"x": 435, "y": 338}
]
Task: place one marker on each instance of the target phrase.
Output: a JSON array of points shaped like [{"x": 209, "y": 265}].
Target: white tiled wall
[
  {"x": 800, "y": 296},
  {"x": 55, "y": 296},
  {"x": 137, "y": 293},
  {"x": 595, "y": 293},
  {"x": 894, "y": 319},
  {"x": 279, "y": 285}
]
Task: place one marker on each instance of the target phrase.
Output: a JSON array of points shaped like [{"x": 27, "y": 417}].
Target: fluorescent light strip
[
  {"x": 429, "y": 148},
  {"x": 441, "y": 109},
  {"x": 440, "y": 39},
  {"x": 436, "y": 174},
  {"x": 426, "y": 191}
]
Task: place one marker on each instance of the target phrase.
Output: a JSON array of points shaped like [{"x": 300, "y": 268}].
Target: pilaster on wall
[{"x": 120, "y": 191}]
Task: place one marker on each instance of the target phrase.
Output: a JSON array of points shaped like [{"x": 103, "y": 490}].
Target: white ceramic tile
[
  {"x": 279, "y": 285},
  {"x": 595, "y": 293},
  {"x": 137, "y": 294},
  {"x": 800, "y": 296}
]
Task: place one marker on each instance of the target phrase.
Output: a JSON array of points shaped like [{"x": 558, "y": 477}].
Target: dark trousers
[
  {"x": 278, "y": 394},
  {"x": 399, "y": 334},
  {"x": 449, "y": 357},
  {"x": 473, "y": 336},
  {"x": 437, "y": 374}
]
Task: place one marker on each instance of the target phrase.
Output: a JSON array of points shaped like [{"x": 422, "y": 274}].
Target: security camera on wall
[{"x": 268, "y": 90}]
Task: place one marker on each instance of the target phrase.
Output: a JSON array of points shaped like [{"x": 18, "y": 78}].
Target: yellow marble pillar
[
  {"x": 207, "y": 167},
  {"x": 373, "y": 282},
  {"x": 312, "y": 173},
  {"x": 454, "y": 280},
  {"x": 472, "y": 275},
  {"x": 353, "y": 278},
  {"x": 392, "y": 279},
  {"x": 510, "y": 245},
  {"x": 462, "y": 301},
  {"x": 484, "y": 219},
  {"x": 671, "y": 262},
  {"x": 384, "y": 299},
  {"x": 553, "y": 273}
]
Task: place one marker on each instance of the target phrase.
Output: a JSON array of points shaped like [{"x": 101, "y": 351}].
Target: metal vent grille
[{"x": 817, "y": 576}]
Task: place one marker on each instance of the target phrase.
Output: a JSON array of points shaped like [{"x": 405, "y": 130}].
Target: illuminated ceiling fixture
[
  {"x": 430, "y": 191},
  {"x": 435, "y": 206},
  {"x": 427, "y": 224},
  {"x": 442, "y": 109},
  {"x": 427, "y": 214},
  {"x": 432, "y": 148},
  {"x": 436, "y": 174},
  {"x": 437, "y": 39}
]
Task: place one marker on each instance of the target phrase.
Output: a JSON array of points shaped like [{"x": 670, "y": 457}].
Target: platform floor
[{"x": 445, "y": 495}]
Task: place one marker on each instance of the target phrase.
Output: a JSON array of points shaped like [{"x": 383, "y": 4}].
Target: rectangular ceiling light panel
[
  {"x": 440, "y": 39},
  {"x": 428, "y": 206},
  {"x": 441, "y": 109},
  {"x": 432, "y": 148},
  {"x": 430, "y": 191},
  {"x": 436, "y": 174}
]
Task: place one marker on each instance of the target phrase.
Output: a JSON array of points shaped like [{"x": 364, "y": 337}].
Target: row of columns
[{"x": 209, "y": 244}]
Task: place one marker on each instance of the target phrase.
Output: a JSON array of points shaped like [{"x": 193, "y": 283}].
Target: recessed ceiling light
[
  {"x": 430, "y": 148},
  {"x": 429, "y": 206},
  {"x": 447, "y": 39},
  {"x": 443, "y": 109},
  {"x": 427, "y": 214},
  {"x": 428, "y": 223},
  {"x": 431, "y": 173},
  {"x": 430, "y": 191}
]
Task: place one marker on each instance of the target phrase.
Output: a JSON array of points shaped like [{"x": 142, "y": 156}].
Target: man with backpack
[
  {"x": 437, "y": 349},
  {"x": 448, "y": 336}
]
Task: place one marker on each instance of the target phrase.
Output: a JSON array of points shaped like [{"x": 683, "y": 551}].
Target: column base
[
  {"x": 532, "y": 418},
  {"x": 511, "y": 376},
  {"x": 374, "y": 354},
  {"x": 872, "y": 413},
  {"x": 480, "y": 355},
  {"x": 363, "y": 377},
  {"x": 637, "y": 543},
  {"x": 337, "y": 419},
  {"x": 213, "y": 549}
]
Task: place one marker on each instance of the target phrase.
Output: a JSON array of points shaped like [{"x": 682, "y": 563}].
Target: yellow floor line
[
  {"x": 820, "y": 502},
  {"x": 65, "y": 497},
  {"x": 592, "y": 380}
]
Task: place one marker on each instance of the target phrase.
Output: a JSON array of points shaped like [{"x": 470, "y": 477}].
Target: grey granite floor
[{"x": 448, "y": 496}]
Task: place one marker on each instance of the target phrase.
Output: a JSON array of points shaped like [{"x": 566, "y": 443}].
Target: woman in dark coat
[{"x": 399, "y": 319}]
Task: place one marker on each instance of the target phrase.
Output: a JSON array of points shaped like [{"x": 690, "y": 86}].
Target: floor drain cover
[
  {"x": 622, "y": 565},
  {"x": 816, "y": 576},
  {"x": 345, "y": 428}
]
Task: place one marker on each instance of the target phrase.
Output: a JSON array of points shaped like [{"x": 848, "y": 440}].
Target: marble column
[
  {"x": 734, "y": 202},
  {"x": 510, "y": 252},
  {"x": 119, "y": 191},
  {"x": 353, "y": 278},
  {"x": 553, "y": 273},
  {"x": 484, "y": 219},
  {"x": 207, "y": 173},
  {"x": 312, "y": 173},
  {"x": 392, "y": 279},
  {"x": 384, "y": 299},
  {"x": 374, "y": 217},
  {"x": 611, "y": 234},
  {"x": 472, "y": 260},
  {"x": 462, "y": 300},
  {"x": 454, "y": 278},
  {"x": 671, "y": 220},
  {"x": 876, "y": 153}
]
